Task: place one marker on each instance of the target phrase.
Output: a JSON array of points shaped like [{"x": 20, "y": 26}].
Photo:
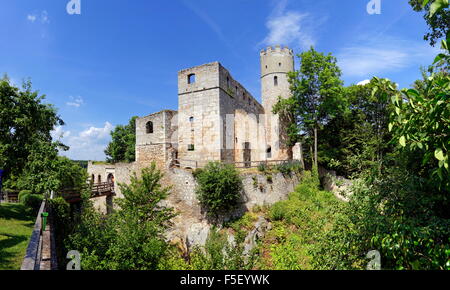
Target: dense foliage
[
  {"x": 122, "y": 146},
  {"x": 357, "y": 138},
  {"x": 132, "y": 238},
  {"x": 27, "y": 151},
  {"x": 219, "y": 188},
  {"x": 437, "y": 18}
]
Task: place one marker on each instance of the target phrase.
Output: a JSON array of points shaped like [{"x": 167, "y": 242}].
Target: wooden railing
[{"x": 99, "y": 189}]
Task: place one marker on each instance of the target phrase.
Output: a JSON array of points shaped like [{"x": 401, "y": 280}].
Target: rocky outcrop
[
  {"x": 338, "y": 185},
  {"x": 261, "y": 227}
]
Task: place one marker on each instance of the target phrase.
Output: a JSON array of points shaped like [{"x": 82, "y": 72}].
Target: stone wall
[{"x": 192, "y": 226}]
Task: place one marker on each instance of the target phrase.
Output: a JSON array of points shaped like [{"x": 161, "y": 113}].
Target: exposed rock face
[
  {"x": 197, "y": 234},
  {"x": 338, "y": 185},
  {"x": 261, "y": 227}
]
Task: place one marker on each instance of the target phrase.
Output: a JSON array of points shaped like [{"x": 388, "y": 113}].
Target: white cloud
[
  {"x": 291, "y": 28},
  {"x": 58, "y": 133},
  {"x": 378, "y": 56},
  {"x": 75, "y": 102},
  {"x": 363, "y": 83},
  {"x": 31, "y": 17},
  {"x": 88, "y": 144},
  {"x": 43, "y": 17}
]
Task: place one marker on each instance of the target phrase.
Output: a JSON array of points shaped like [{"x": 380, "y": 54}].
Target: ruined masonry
[{"x": 217, "y": 120}]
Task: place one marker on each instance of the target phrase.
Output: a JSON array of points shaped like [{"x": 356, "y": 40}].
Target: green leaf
[
  {"x": 437, "y": 6},
  {"x": 403, "y": 141},
  {"x": 391, "y": 125},
  {"x": 439, "y": 154},
  {"x": 425, "y": 2}
]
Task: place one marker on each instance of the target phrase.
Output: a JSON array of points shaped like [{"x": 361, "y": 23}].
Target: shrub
[
  {"x": 33, "y": 201},
  {"x": 23, "y": 195},
  {"x": 289, "y": 167},
  {"x": 262, "y": 167},
  {"x": 219, "y": 188},
  {"x": 60, "y": 211}
]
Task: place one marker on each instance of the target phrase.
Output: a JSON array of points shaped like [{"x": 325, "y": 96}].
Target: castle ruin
[{"x": 217, "y": 120}]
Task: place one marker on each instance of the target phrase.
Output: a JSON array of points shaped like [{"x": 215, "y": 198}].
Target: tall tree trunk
[
  {"x": 315, "y": 148},
  {"x": 302, "y": 162}
]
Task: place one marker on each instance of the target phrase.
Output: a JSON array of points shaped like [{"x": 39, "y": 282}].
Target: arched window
[
  {"x": 191, "y": 119},
  {"x": 92, "y": 178},
  {"x": 191, "y": 79},
  {"x": 149, "y": 127},
  {"x": 99, "y": 180},
  {"x": 279, "y": 64},
  {"x": 269, "y": 152},
  {"x": 275, "y": 81}
]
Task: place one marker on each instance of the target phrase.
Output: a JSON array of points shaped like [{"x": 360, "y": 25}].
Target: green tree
[
  {"x": 27, "y": 152},
  {"x": 316, "y": 95},
  {"x": 358, "y": 138},
  {"x": 219, "y": 188},
  {"x": 122, "y": 146},
  {"x": 132, "y": 238},
  {"x": 437, "y": 18}
]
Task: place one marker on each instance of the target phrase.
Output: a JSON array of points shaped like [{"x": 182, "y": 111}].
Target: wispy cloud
[
  {"x": 293, "y": 28},
  {"x": 42, "y": 17},
  {"x": 75, "y": 102},
  {"x": 370, "y": 57},
  {"x": 88, "y": 144},
  {"x": 209, "y": 21},
  {"x": 31, "y": 17}
]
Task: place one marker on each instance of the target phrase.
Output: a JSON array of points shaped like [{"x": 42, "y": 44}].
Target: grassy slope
[
  {"x": 16, "y": 225},
  {"x": 296, "y": 224}
]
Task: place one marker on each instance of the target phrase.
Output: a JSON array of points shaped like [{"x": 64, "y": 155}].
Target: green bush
[
  {"x": 60, "y": 211},
  {"x": 262, "y": 167},
  {"x": 219, "y": 188},
  {"x": 23, "y": 195},
  {"x": 289, "y": 167},
  {"x": 33, "y": 201}
]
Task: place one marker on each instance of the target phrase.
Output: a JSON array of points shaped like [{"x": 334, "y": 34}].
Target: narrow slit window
[{"x": 275, "y": 81}]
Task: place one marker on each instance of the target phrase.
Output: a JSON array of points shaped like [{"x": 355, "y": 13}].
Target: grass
[{"x": 16, "y": 225}]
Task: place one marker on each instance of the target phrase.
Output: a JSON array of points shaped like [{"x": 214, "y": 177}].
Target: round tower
[{"x": 275, "y": 65}]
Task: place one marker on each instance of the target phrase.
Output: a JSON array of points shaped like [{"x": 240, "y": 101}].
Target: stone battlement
[{"x": 277, "y": 49}]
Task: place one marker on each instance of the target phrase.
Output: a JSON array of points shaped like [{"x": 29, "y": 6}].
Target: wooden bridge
[{"x": 97, "y": 190}]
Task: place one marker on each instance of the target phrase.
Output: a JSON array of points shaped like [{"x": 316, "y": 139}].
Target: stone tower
[{"x": 275, "y": 64}]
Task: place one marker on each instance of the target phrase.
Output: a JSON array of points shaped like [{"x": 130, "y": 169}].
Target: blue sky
[{"x": 120, "y": 58}]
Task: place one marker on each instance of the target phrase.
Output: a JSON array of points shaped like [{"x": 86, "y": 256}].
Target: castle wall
[
  {"x": 240, "y": 114},
  {"x": 198, "y": 115},
  {"x": 155, "y": 146}
]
